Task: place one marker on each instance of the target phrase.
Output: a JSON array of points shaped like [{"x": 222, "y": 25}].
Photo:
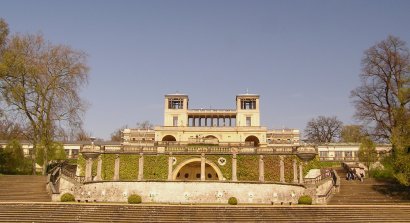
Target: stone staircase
[
  {"x": 370, "y": 191},
  {"x": 23, "y": 188},
  {"x": 60, "y": 212}
]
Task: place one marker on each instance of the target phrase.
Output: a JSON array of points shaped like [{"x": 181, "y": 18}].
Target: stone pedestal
[
  {"x": 116, "y": 168},
  {"x": 99, "y": 168},
  {"x": 295, "y": 171},
  {"x": 261, "y": 169},
  {"x": 170, "y": 163},
  {"x": 282, "y": 170},
  {"x": 141, "y": 167},
  {"x": 234, "y": 168},
  {"x": 88, "y": 169},
  {"x": 203, "y": 167},
  {"x": 301, "y": 173}
]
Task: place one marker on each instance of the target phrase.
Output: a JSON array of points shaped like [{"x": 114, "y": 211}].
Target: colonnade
[
  {"x": 261, "y": 169},
  {"x": 211, "y": 121}
]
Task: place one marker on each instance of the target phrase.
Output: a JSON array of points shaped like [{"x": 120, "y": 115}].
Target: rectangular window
[
  {"x": 175, "y": 103},
  {"x": 339, "y": 154},
  {"x": 175, "y": 121},
  {"x": 248, "y": 104},
  {"x": 248, "y": 121},
  {"x": 324, "y": 154}
]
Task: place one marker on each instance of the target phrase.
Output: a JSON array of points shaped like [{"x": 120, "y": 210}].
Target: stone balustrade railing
[{"x": 187, "y": 149}]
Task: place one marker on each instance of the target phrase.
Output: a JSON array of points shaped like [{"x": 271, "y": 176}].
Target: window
[
  {"x": 248, "y": 121},
  {"x": 324, "y": 154},
  {"x": 175, "y": 121},
  {"x": 248, "y": 104},
  {"x": 339, "y": 154},
  {"x": 175, "y": 103}
]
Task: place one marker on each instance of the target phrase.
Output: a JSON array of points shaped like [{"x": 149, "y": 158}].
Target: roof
[{"x": 176, "y": 94}]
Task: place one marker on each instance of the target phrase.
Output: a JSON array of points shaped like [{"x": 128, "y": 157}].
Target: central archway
[
  {"x": 191, "y": 170},
  {"x": 252, "y": 140},
  {"x": 169, "y": 138}
]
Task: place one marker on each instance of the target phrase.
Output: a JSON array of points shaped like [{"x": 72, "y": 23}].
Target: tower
[
  {"x": 176, "y": 110},
  {"x": 247, "y": 110}
]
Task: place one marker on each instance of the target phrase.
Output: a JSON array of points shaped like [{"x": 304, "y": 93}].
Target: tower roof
[{"x": 176, "y": 94}]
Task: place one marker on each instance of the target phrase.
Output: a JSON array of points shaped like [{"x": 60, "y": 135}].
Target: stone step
[
  {"x": 23, "y": 188},
  {"x": 57, "y": 212}
]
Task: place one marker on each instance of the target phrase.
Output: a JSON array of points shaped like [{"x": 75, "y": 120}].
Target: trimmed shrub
[
  {"x": 305, "y": 199},
  {"x": 134, "y": 199},
  {"x": 232, "y": 201},
  {"x": 67, "y": 197}
]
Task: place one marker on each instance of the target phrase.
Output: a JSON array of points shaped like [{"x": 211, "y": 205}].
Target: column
[
  {"x": 234, "y": 167},
  {"x": 301, "y": 173},
  {"x": 70, "y": 153},
  {"x": 206, "y": 121},
  {"x": 282, "y": 169},
  {"x": 212, "y": 121},
  {"x": 141, "y": 167},
  {"x": 170, "y": 163},
  {"x": 217, "y": 121},
  {"x": 99, "y": 168},
  {"x": 88, "y": 170},
  {"x": 116, "y": 168},
  {"x": 295, "y": 171},
  {"x": 261, "y": 169},
  {"x": 203, "y": 167},
  {"x": 199, "y": 121}
]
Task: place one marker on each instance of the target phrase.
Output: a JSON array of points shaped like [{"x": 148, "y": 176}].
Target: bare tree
[
  {"x": 10, "y": 130},
  {"x": 116, "y": 136},
  {"x": 323, "y": 129},
  {"x": 82, "y": 135},
  {"x": 385, "y": 81},
  {"x": 41, "y": 81},
  {"x": 145, "y": 125}
]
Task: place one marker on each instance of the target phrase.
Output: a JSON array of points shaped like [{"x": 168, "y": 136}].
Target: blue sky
[{"x": 302, "y": 57}]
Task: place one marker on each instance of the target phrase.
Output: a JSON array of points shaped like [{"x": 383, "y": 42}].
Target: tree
[
  {"x": 41, "y": 82},
  {"x": 401, "y": 145},
  {"x": 367, "y": 152},
  {"x": 10, "y": 130},
  {"x": 4, "y": 32},
  {"x": 352, "y": 134},
  {"x": 385, "y": 79},
  {"x": 12, "y": 160},
  {"x": 323, "y": 129},
  {"x": 116, "y": 136},
  {"x": 145, "y": 125},
  {"x": 82, "y": 135}
]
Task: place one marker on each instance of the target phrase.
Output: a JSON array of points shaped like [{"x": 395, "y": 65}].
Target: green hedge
[
  {"x": 305, "y": 199},
  {"x": 67, "y": 197},
  {"x": 134, "y": 199},
  {"x": 156, "y": 166},
  {"x": 225, "y": 169},
  {"x": 232, "y": 201}
]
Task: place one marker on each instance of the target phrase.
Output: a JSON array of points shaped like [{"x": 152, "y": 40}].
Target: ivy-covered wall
[{"x": 156, "y": 166}]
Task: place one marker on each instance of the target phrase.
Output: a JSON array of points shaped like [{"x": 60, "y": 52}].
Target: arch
[
  {"x": 211, "y": 137},
  {"x": 169, "y": 138},
  {"x": 193, "y": 160},
  {"x": 253, "y": 139}
]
